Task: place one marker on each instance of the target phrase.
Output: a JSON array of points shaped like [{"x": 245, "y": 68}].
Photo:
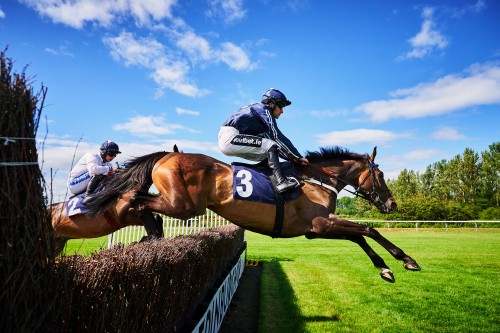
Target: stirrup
[{"x": 288, "y": 184}]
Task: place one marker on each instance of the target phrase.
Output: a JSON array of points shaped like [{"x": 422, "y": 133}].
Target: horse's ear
[
  {"x": 374, "y": 154},
  {"x": 176, "y": 150}
]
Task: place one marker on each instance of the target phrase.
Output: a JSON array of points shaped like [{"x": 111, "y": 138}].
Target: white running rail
[
  {"x": 212, "y": 319},
  {"x": 171, "y": 228}
]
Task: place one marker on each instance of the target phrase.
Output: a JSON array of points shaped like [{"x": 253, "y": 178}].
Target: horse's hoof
[
  {"x": 387, "y": 275},
  {"x": 411, "y": 265}
]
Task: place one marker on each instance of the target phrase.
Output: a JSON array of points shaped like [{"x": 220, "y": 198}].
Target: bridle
[{"x": 373, "y": 196}]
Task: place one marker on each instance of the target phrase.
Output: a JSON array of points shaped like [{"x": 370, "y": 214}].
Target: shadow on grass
[
  {"x": 265, "y": 302},
  {"x": 279, "y": 311}
]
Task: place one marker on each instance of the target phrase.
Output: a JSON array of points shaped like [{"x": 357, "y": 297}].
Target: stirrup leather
[{"x": 289, "y": 183}]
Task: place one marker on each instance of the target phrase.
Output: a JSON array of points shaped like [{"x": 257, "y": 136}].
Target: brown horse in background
[
  {"x": 188, "y": 184},
  {"x": 119, "y": 215}
]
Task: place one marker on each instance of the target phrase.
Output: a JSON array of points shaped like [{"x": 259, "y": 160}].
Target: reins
[{"x": 372, "y": 196}]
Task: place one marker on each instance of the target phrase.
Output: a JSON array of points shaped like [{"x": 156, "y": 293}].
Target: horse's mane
[
  {"x": 154, "y": 157},
  {"x": 333, "y": 153}
]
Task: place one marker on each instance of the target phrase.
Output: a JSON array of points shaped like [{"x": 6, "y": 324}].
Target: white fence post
[{"x": 171, "y": 228}]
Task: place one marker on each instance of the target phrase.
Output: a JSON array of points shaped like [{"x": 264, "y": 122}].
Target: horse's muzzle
[
  {"x": 390, "y": 205},
  {"x": 387, "y": 207}
]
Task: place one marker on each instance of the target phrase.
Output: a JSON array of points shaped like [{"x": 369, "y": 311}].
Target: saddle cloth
[
  {"x": 75, "y": 206},
  {"x": 252, "y": 182}
]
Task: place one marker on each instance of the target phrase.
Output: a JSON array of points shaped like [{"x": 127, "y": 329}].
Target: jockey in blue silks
[{"x": 252, "y": 133}]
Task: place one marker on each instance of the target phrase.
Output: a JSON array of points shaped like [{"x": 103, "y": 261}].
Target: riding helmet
[
  {"x": 276, "y": 97},
  {"x": 109, "y": 147}
]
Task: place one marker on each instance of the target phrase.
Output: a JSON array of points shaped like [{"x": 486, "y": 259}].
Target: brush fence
[{"x": 171, "y": 228}]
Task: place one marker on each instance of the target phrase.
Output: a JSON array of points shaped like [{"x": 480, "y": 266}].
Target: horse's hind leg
[
  {"x": 59, "y": 244},
  {"x": 159, "y": 225},
  {"x": 153, "y": 224}
]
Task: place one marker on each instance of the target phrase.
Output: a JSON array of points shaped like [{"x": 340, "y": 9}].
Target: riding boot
[
  {"x": 93, "y": 184},
  {"x": 283, "y": 183}
]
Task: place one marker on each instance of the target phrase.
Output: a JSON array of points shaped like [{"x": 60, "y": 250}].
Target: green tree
[
  {"x": 346, "y": 206},
  {"x": 489, "y": 186},
  {"x": 405, "y": 186},
  {"x": 468, "y": 177}
]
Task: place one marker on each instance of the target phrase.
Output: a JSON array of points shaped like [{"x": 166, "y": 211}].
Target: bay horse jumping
[
  {"x": 188, "y": 184},
  {"x": 119, "y": 215}
]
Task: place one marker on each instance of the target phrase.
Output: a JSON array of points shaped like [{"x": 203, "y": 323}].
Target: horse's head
[{"x": 372, "y": 186}]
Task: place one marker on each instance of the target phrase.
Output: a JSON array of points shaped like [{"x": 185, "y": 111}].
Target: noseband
[{"x": 372, "y": 196}]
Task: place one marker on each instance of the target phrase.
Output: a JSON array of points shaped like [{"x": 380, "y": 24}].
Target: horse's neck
[{"x": 348, "y": 171}]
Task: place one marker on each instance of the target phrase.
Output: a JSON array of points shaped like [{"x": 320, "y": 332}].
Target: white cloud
[
  {"x": 329, "y": 113},
  {"x": 448, "y": 134},
  {"x": 62, "y": 51},
  {"x": 133, "y": 51},
  {"x": 196, "y": 47},
  {"x": 234, "y": 56},
  {"x": 188, "y": 112},
  {"x": 191, "y": 145},
  {"x": 422, "y": 154},
  {"x": 356, "y": 136},
  {"x": 2, "y": 14},
  {"x": 427, "y": 39},
  {"x": 102, "y": 12},
  {"x": 169, "y": 67},
  {"x": 174, "y": 75},
  {"x": 474, "y": 8},
  {"x": 229, "y": 11},
  {"x": 147, "y": 126},
  {"x": 479, "y": 85},
  {"x": 167, "y": 72},
  {"x": 199, "y": 49},
  {"x": 478, "y": 6}
]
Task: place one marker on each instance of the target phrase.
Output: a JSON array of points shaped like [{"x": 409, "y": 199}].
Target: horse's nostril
[{"x": 393, "y": 206}]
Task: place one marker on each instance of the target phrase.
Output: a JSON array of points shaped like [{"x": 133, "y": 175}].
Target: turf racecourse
[{"x": 331, "y": 286}]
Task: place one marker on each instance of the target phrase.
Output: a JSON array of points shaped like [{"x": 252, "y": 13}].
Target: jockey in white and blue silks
[
  {"x": 252, "y": 133},
  {"x": 91, "y": 169}
]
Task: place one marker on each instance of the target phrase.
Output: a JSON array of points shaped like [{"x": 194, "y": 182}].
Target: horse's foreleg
[
  {"x": 327, "y": 228},
  {"x": 359, "y": 229},
  {"x": 385, "y": 271},
  {"x": 408, "y": 262},
  {"x": 335, "y": 228}
]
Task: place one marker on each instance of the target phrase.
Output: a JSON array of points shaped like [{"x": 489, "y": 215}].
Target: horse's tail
[{"x": 135, "y": 177}]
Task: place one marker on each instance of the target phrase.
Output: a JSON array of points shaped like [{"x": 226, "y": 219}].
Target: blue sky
[{"x": 420, "y": 80}]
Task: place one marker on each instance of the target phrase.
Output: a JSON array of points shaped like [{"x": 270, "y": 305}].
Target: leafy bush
[
  {"x": 491, "y": 213},
  {"x": 428, "y": 209}
]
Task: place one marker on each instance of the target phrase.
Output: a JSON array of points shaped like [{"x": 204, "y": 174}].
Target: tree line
[{"x": 466, "y": 187}]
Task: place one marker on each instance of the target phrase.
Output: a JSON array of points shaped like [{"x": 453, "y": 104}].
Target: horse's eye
[{"x": 381, "y": 175}]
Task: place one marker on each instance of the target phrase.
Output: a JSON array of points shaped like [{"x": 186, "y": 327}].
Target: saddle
[{"x": 256, "y": 182}]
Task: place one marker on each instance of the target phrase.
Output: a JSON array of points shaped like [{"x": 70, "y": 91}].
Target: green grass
[
  {"x": 331, "y": 286},
  {"x": 85, "y": 246}
]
